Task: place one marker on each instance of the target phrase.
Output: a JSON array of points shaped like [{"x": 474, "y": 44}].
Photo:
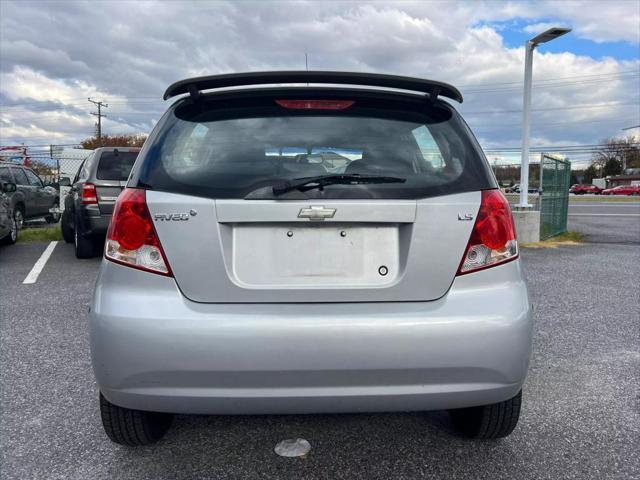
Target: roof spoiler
[{"x": 194, "y": 86}]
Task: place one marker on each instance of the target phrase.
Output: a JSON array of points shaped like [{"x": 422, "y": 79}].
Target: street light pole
[
  {"x": 526, "y": 107},
  {"x": 526, "y": 125}
]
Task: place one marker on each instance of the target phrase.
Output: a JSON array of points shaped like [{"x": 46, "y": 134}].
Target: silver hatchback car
[{"x": 311, "y": 242}]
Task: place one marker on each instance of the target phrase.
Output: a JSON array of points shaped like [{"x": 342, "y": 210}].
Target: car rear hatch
[
  {"x": 237, "y": 223},
  {"x": 245, "y": 251},
  {"x": 112, "y": 171}
]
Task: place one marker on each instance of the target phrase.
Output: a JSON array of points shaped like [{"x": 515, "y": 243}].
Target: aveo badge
[{"x": 174, "y": 217}]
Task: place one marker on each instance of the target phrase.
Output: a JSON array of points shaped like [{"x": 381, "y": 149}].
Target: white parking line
[
  {"x": 612, "y": 205},
  {"x": 604, "y": 214},
  {"x": 39, "y": 265}
]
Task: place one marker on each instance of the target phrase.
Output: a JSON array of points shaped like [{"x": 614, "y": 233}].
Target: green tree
[
  {"x": 612, "y": 166},
  {"x": 590, "y": 173}
]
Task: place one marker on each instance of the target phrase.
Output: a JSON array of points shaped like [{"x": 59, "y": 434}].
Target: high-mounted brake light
[
  {"x": 315, "y": 104},
  {"x": 89, "y": 195},
  {"x": 493, "y": 239},
  {"x": 132, "y": 239}
]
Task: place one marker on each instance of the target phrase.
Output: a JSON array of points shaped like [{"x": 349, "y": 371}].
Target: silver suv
[{"x": 309, "y": 248}]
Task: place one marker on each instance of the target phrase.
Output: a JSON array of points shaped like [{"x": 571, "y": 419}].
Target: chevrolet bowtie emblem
[{"x": 316, "y": 212}]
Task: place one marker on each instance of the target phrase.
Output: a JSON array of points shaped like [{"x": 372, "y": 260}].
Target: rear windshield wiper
[{"x": 309, "y": 183}]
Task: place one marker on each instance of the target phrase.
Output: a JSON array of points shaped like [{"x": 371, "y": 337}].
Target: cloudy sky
[{"x": 54, "y": 54}]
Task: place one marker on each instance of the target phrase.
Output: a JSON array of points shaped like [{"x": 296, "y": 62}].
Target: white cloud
[
  {"x": 536, "y": 28},
  {"x": 148, "y": 45},
  {"x": 599, "y": 21},
  {"x": 23, "y": 82}
]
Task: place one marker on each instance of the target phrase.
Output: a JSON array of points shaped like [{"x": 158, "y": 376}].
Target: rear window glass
[
  {"x": 115, "y": 166},
  {"x": 228, "y": 152}
]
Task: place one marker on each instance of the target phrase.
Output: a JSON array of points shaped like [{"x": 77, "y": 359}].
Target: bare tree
[
  {"x": 114, "y": 141},
  {"x": 626, "y": 151}
]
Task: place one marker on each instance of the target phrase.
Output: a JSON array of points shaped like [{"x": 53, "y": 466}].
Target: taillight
[
  {"x": 132, "y": 239},
  {"x": 316, "y": 104},
  {"x": 89, "y": 195},
  {"x": 493, "y": 239}
]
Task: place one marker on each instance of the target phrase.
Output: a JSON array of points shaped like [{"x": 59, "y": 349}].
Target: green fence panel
[{"x": 555, "y": 177}]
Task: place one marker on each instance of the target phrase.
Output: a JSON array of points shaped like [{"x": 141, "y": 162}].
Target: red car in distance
[
  {"x": 586, "y": 188},
  {"x": 623, "y": 190}
]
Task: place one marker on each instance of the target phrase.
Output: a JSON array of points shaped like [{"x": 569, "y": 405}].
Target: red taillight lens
[
  {"x": 89, "y": 195},
  {"x": 493, "y": 239},
  {"x": 132, "y": 239},
  {"x": 315, "y": 104}
]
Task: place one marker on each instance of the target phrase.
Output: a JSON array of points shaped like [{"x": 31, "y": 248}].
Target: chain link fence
[
  {"x": 555, "y": 177},
  {"x": 508, "y": 176},
  {"x": 549, "y": 181},
  {"x": 50, "y": 163}
]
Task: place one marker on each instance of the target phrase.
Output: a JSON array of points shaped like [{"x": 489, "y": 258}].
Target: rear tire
[
  {"x": 132, "y": 427},
  {"x": 85, "y": 245},
  {"x": 13, "y": 234},
  {"x": 67, "y": 227},
  {"x": 496, "y": 420}
]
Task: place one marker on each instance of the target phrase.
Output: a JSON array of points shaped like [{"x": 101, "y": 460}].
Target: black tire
[
  {"x": 488, "y": 421},
  {"x": 66, "y": 226},
  {"x": 85, "y": 245},
  {"x": 13, "y": 234},
  {"x": 52, "y": 218},
  {"x": 133, "y": 427}
]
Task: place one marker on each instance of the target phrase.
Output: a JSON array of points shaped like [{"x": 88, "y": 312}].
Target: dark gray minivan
[
  {"x": 8, "y": 224},
  {"x": 89, "y": 203},
  {"x": 32, "y": 198}
]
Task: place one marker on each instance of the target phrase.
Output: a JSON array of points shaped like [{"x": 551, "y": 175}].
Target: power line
[
  {"x": 592, "y": 78},
  {"x": 575, "y": 107},
  {"x": 482, "y": 112},
  {"x": 545, "y": 124},
  {"x": 516, "y": 89},
  {"x": 551, "y": 79}
]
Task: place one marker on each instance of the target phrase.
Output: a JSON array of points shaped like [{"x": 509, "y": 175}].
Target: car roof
[
  {"x": 12, "y": 164},
  {"x": 120, "y": 149}
]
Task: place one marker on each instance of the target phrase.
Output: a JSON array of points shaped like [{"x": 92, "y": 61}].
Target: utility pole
[{"x": 99, "y": 115}]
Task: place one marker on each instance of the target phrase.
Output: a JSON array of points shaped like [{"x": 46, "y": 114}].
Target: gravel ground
[{"x": 580, "y": 417}]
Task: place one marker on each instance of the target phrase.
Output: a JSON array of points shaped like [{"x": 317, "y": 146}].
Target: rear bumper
[
  {"x": 93, "y": 222},
  {"x": 153, "y": 349}
]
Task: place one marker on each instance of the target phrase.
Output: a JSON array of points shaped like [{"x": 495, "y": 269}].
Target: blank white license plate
[{"x": 315, "y": 255}]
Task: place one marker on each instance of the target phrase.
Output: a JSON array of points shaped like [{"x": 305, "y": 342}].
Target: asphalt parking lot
[
  {"x": 581, "y": 416},
  {"x": 606, "y": 222}
]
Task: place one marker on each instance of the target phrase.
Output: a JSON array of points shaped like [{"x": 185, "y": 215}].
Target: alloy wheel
[
  {"x": 14, "y": 230},
  {"x": 18, "y": 219}
]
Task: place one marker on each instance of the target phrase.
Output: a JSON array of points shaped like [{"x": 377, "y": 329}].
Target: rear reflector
[
  {"x": 493, "y": 239},
  {"x": 89, "y": 196},
  {"x": 132, "y": 239},
  {"x": 315, "y": 104}
]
